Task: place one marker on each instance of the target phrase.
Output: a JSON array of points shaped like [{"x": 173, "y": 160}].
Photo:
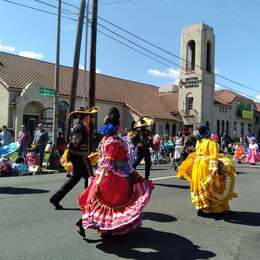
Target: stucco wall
[{"x": 4, "y": 104}]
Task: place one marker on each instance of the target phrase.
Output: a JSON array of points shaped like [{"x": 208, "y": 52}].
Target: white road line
[{"x": 162, "y": 178}]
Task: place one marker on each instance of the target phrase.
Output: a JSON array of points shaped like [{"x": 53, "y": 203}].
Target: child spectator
[
  {"x": 6, "y": 167},
  {"x": 33, "y": 161},
  {"x": 20, "y": 166},
  {"x": 156, "y": 148}
]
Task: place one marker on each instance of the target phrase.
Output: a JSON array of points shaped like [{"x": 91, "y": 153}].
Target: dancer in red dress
[{"x": 115, "y": 198}]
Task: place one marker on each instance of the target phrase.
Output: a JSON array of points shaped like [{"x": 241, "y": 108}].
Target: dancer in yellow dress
[{"x": 211, "y": 176}]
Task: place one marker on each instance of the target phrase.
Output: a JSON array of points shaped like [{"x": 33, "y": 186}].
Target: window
[
  {"x": 235, "y": 129},
  {"x": 173, "y": 129},
  {"x": 191, "y": 48},
  {"x": 222, "y": 127},
  {"x": 208, "y": 61},
  {"x": 257, "y": 120},
  {"x": 249, "y": 128},
  {"x": 218, "y": 127},
  {"x": 242, "y": 130},
  {"x": 190, "y": 103},
  {"x": 227, "y": 127},
  {"x": 167, "y": 128}
]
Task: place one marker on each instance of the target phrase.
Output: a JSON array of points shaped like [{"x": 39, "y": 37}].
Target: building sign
[
  {"x": 247, "y": 114},
  {"x": 47, "y": 92},
  {"x": 242, "y": 106},
  {"x": 192, "y": 82}
]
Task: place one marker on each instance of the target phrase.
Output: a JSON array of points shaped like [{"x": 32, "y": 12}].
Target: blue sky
[{"x": 236, "y": 24}]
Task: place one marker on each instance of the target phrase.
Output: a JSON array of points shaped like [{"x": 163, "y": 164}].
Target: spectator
[
  {"x": 41, "y": 141},
  {"x": 224, "y": 141},
  {"x": 156, "y": 148},
  {"x": 33, "y": 161},
  {"x": 5, "y": 136},
  {"x": 20, "y": 166},
  {"x": 6, "y": 167},
  {"x": 24, "y": 138}
]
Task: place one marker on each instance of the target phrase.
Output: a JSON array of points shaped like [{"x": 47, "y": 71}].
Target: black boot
[
  {"x": 80, "y": 228},
  {"x": 56, "y": 204}
]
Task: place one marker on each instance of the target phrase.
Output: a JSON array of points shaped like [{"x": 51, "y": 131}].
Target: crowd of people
[
  {"x": 30, "y": 151},
  {"x": 115, "y": 193}
]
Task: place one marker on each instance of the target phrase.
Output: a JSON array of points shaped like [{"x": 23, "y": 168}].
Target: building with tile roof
[{"x": 26, "y": 85}]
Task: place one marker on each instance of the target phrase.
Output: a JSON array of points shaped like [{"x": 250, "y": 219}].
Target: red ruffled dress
[{"x": 116, "y": 207}]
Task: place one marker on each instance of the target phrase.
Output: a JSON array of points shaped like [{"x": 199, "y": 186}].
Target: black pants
[
  {"x": 146, "y": 155},
  {"x": 81, "y": 169}
]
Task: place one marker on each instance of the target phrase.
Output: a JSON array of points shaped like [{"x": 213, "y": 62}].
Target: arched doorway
[{"x": 31, "y": 115}]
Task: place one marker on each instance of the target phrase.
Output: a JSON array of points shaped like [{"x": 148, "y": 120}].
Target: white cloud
[
  {"x": 257, "y": 98},
  {"x": 169, "y": 73},
  {"x": 81, "y": 67},
  {"x": 31, "y": 54},
  {"x": 7, "y": 48},
  {"x": 218, "y": 87}
]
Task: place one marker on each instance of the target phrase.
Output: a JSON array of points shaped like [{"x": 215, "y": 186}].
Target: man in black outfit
[
  {"x": 78, "y": 152},
  {"x": 143, "y": 141}
]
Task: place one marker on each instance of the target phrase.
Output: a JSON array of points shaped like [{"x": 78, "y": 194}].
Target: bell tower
[{"x": 197, "y": 80}]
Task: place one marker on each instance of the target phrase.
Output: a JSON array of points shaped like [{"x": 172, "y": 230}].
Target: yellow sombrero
[
  {"x": 144, "y": 121},
  {"x": 83, "y": 111}
]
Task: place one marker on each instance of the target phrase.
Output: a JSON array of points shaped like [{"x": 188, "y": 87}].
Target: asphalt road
[{"x": 31, "y": 229}]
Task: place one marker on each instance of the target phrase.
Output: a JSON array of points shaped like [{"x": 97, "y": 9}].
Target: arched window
[
  {"x": 167, "y": 128},
  {"x": 190, "y": 61},
  {"x": 218, "y": 127},
  {"x": 174, "y": 129},
  {"x": 227, "y": 127},
  {"x": 208, "y": 59},
  {"x": 222, "y": 127},
  {"x": 189, "y": 102},
  {"x": 63, "y": 114}
]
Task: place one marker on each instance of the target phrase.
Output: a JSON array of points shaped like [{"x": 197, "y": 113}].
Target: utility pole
[
  {"x": 54, "y": 156},
  {"x": 57, "y": 81},
  {"x": 73, "y": 92},
  {"x": 92, "y": 74}
]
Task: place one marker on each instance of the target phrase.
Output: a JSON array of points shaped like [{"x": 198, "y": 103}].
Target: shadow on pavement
[
  {"x": 71, "y": 209},
  {"x": 241, "y": 218},
  {"x": 158, "y": 217},
  {"x": 148, "y": 243},
  {"x": 173, "y": 186},
  {"x": 14, "y": 191}
]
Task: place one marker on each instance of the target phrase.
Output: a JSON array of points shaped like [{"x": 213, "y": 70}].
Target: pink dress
[
  {"x": 253, "y": 155},
  {"x": 118, "y": 203}
]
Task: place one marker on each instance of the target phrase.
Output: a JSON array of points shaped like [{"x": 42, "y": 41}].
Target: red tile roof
[
  {"x": 226, "y": 96},
  {"x": 17, "y": 72},
  {"x": 257, "y": 106}
]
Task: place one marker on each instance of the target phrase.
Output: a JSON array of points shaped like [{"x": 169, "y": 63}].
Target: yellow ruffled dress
[{"x": 211, "y": 177}]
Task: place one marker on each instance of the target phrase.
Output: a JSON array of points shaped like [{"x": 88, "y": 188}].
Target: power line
[
  {"x": 55, "y": 7},
  {"x": 37, "y": 9},
  {"x": 167, "y": 65},
  {"x": 174, "y": 55},
  {"x": 154, "y": 45},
  {"x": 139, "y": 46}
]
